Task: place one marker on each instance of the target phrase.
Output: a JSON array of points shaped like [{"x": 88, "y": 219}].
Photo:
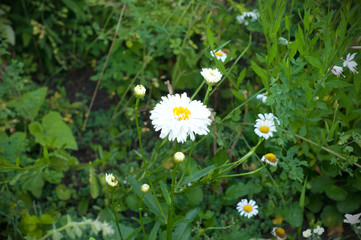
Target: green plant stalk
[
  {"x": 198, "y": 89},
  {"x": 206, "y": 97},
  {"x": 115, "y": 214},
  {"x": 170, "y": 210},
  {"x": 243, "y": 174},
  {"x": 141, "y": 217},
  {"x": 187, "y": 163},
  {"x": 145, "y": 164},
  {"x": 354, "y": 228}
]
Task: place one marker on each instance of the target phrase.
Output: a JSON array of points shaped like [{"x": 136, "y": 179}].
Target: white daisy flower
[
  {"x": 307, "y": 233},
  {"x": 178, "y": 117},
  {"x": 265, "y": 126},
  {"x": 247, "y": 209},
  {"x": 211, "y": 76},
  {"x": 337, "y": 71},
  {"x": 220, "y": 55},
  {"x": 270, "y": 158},
  {"x": 352, "y": 219},
  {"x": 110, "y": 179},
  {"x": 279, "y": 233},
  {"x": 319, "y": 230},
  {"x": 139, "y": 91},
  {"x": 350, "y": 63},
  {"x": 262, "y": 97}
]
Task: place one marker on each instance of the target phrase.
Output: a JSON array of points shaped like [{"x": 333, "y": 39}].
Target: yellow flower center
[
  {"x": 247, "y": 208},
  {"x": 181, "y": 113},
  {"x": 280, "y": 232},
  {"x": 264, "y": 129},
  {"x": 219, "y": 54},
  {"x": 271, "y": 157}
]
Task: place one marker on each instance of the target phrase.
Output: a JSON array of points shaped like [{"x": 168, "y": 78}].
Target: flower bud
[
  {"x": 178, "y": 157},
  {"x": 139, "y": 91},
  {"x": 144, "y": 188}
]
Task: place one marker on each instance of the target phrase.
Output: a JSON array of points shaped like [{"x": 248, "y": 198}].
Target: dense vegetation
[{"x": 273, "y": 101}]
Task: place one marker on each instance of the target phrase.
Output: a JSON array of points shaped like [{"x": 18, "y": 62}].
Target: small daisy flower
[
  {"x": 219, "y": 55},
  {"x": 211, "y": 76},
  {"x": 178, "y": 157},
  {"x": 262, "y": 97},
  {"x": 178, "y": 117},
  {"x": 270, "y": 158},
  {"x": 337, "y": 71},
  {"x": 350, "y": 63},
  {"x": 265, "y": 126},
  {"x": 319, "y": 230},
  {"x": 247, "y": 209},
  {"x": 279, "y": 233},
  {"x": 144, "y": 188},
  {"x": 139, "y": 91},
  {"x": 110, "y": 179},
  {"x": 307, "y": 233},
  {"x": 352, "y": 219}
]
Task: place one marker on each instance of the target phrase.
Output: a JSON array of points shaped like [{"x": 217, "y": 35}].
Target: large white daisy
[
  {"x": 247, "y": 209},
  {"x": 177, "y": 117},
  {"x": 265, "y": 125}
]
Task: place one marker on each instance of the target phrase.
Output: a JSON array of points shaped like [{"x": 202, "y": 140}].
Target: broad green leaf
[
  {"x": 35, "y": 184},
  {"x": 62, "y": 192},
  {"x": 330, "y": 216},
  {"x": 314, "y": 62},
  {"x": 73, "y": 6},
  {"x": 351, "y": 204},
  {"x": 261, "y": 73},
  {"x": 28, "y": 105},
  {"x": 210, "y": 40},
  {"x": 12, "y": 148},
  {"x": 195, "y": 196},
  {"x": 293, "y": 214},
  {"x": 241, "y": 76},
  {"x": 336, "y": 193},
  {"x": 149, "y": 199},
  {"x": 153, "y": 233},
  {"x": 46, "y": 219},
  {"x": 165, "y": 192},
  {"x": 54, "y": 131},
  {"x": 197, "y": 175},
  {"x": 133, "y": 202},
  {"x": 184, "y": 229},
  {"x": 320, "y": 184}
]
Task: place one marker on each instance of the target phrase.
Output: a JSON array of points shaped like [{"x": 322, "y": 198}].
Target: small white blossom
[
  {"x": 110, "y": 179},
  {"x": 350, "y": 63},
  {"x": 247, "y": 208},
  {"x": 247, "y": 17},
  {"x": 319, "y": 230},
  {"x": 144, "y": 188},
  {"x": 337, "y": 71},
  {"x": 352, "y": 219},
  {"x": 265, "y": 125},
  {"x": 307, "y": 233},
  {"x": 178, "y": 157},
  {"x": 262, "y": 97},
  {"x": 219, "y": 55},
  {"x": 211, "y": 76}
]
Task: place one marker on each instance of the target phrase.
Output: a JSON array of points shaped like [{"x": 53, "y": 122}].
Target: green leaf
[
  {"x": 93, "y": 181},
  {"x": 197, "y": 175},
  {"x": 54, "y": 131},
  {"x": 351, "y": 204},
  {"x": 73, "y": 5},
  {"x": 28, "y": 105},
  {"x": 153, "y": 233},
  {"x": 46, "y": 219},
  {"x": 10, "y": 34},
  {"x": 195, "y": 196},
  {"x": 149, "y": 199},
  {"x": 330, "y": 216},
  {"x": 293, "y": 215},
  {"x": 241, "y": 76},
  {"x": 62, "y": 192},
  {"x": 184, "y": 229},
  {"x": 261, "y": 73},
  {"x": 35, "y": 184},
  {"x": 210, "y": 40},
  {"x": 336, "y": 193},
  {"x": 320, "y": 184},
  {"x": 133, "y": 202},
  {"x": 314, "y": 62},
  {"x": 165, "y": 192},
  {"x": 208, "y": 16},
  {"x": 236, "y": 191}
]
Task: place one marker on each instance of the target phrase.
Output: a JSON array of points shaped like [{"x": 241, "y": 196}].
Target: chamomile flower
[
  {"x": 220, "y": 55},
  {"x": 211, "y": 76},
  {"x": 110, "y": 179},
  {"x": 319, "y": 230},
  {"x": 307, "y": 233},
  {"x": 247, "y": 208},
  {"x": 352, "y": 219},
  {"x": 270, "y": 158},
  {"x": 262, "y": 97},
  {"x": 279, "y": 233},
  {"x": 247, "y": 17},
  {"x": 265, "y": 125},
  {"x": 178, "y": 117},
  {"x": 337, "y": 70},
  {"x": 350, "y": 63}
]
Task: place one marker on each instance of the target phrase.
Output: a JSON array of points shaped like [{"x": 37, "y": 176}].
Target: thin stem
[
  {"x": 198, "y": 89},
  {"x": 141, "y": 217},
  {"x": 187, "y": 163},
  {"x": 243, "y": 174},
  {"x": 115, "y": 214},
  {"x": 209, "y": 89},
  {"x": 171, "y": 210}
]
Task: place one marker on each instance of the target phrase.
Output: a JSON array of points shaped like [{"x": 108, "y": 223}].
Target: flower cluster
[
  {"x": 349, "y": 63},
  {"x": 247, "y": 17},
  {"x": 318, "y": 231}
]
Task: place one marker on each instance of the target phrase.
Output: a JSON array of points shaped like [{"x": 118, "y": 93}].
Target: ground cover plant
[{"x": 180, "y": 119}]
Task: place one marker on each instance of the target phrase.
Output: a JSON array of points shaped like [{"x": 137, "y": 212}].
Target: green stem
[
  {"x": 141, "y": 217},
  {"x": 209, "y": 89},
  {"x": 115, "y": 214},
  {"x": 187, "y": 163},
  {"x": 198, "y": 89},
  {"x": 243, "y": 174},
  {"x": 170, "y": 210},
  {"x": 145, "y": 164}
]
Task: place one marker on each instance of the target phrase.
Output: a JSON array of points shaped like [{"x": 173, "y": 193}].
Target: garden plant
[{"x": 177, "y": 120}]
